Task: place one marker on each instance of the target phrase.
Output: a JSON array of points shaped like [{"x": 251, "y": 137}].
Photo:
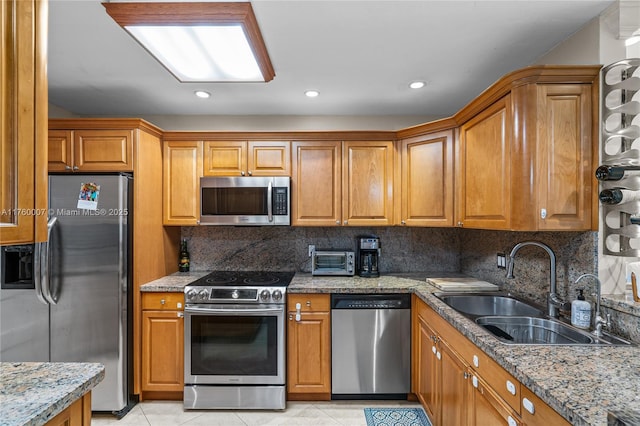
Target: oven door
[{"x": 234, "y": 344}]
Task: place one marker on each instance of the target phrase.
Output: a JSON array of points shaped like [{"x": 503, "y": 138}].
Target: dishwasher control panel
[{"x": 370, "y": 301}]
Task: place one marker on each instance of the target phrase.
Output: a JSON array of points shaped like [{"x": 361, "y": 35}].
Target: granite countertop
[
  {"x": 583, "y": 383},
  {"x": 35, "y": 392}
]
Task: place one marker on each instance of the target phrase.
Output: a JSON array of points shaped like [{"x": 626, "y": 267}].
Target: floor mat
[{"x": 396, "y": 417}]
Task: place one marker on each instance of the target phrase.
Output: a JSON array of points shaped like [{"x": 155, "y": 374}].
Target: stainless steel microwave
[{"x": 257, "y": 201}]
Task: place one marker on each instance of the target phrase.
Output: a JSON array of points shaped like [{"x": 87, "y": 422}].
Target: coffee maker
[{"x": 368, "y": 255}]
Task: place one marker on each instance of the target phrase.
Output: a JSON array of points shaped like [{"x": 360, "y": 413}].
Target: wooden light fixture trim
[{"x": 130, "y": 14}]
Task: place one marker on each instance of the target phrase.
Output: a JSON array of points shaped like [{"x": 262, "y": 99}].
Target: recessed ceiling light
[
  {"x": 206, "y": 41},
  {"x": 417, "y": 84},
  {"x": 202, "y": 94},
  {"x": 312, "y": 93}
]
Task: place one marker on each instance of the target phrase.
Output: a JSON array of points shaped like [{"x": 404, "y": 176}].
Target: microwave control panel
[{"x": 280, "y": 201}]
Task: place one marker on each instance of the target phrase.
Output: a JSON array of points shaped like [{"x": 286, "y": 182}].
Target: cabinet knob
[
  {"x": 75, "y": 168},
  {"x": 337, "y": 222},
  {"x": 250, "y": 173},
  {"x": 67, "y": 167},
  {"x": 528, "y": 405},
  {"x": 511, "y": 421},
  {"x": 476, "y": 361},
  {"x": 309, "y": 303},
  {"x": 543, "y": 213},
  {"x": 346, "y": 222},
  {"x": 180, "y": 314},
  {"x": 511, "y": 388},
  {"x": 403, "y": 222},
  {"x": 460, "y": 224},
  {"x": 241, "y": 173},
  {"x": 162, "y": 301}
]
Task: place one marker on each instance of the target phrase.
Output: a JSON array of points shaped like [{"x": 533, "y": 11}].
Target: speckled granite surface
[
  {"x": 172, "y": 283},
  {"x": 32, "y": 393},
  {"x": 583, "y": 383}
]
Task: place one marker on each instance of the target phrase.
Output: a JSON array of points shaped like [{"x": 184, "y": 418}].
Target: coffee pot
[{"x": 368, "y": 255}]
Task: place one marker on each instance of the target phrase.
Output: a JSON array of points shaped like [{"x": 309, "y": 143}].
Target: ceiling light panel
[{"x": 199, "y": 42}]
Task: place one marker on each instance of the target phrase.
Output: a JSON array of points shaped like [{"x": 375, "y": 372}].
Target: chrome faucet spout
[{"x": 553, "y": 301}]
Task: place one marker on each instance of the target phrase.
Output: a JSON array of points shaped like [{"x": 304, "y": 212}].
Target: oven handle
[{"x": 232, "y": 311}]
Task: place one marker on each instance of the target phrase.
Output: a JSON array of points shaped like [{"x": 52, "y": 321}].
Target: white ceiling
[{"x": 360, "y": 55}]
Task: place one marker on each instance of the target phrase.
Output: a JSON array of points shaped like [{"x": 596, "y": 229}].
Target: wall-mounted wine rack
[{"x": 620, "y": 173}]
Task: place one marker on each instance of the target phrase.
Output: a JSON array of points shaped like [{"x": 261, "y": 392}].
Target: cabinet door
[
  {"x": 427, "y": 180},
  {"x": 23, "y": 121},
  {"x": 484, "y": 169},
  {"x": 367, "y": 195},
  {"x": 428, "y": 375},
  {"x": 225, "y": 158},
  {"x": 309, "y": 353},
  {"x": 60, "y": 150},
  {"x": 454, "y": 388},
  {"x": 536, "y": 412},
  {"x": 162, "y": 351},
  {"x": 103, "y": 150},
  {"x": 182, "y": 165},
  {"x": 316, "y": 184},
  {"x": 269, "y": 158},
  {"x": 564, "y": 159},
  {"x": 309, "y": 348}
]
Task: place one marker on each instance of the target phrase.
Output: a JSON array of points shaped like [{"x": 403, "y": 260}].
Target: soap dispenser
[{"x": 581, "y": 311}]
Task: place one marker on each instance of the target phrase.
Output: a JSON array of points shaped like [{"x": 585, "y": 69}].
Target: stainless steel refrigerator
[{"x": 79, "y": 307}]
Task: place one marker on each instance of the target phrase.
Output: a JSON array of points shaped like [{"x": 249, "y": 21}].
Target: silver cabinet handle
[{"x": 298, "y": 314}]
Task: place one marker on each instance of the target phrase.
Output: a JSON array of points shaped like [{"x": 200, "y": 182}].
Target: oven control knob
[
  {"x": 235, "y": 294},
  {"x": 264, "y": 295},
  {"x": 203, "y": 294},
  {"x": 191, "y": 294},
  {"x": 277, "y": 295}
]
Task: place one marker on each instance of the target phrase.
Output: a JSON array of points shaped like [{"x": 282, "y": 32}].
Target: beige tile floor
[{"x": 170, "y": 413}]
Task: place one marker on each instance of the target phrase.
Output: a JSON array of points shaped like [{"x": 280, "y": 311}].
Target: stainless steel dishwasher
[{"x": 370, "y": 346}]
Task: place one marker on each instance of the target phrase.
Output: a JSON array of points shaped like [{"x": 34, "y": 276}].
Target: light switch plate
[{"x": 501, "y": 261}]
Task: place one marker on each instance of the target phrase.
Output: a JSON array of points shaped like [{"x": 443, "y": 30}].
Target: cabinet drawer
[
  {"x": 503, "y": 383},
  {"x": 536, "y": 412},
  {"x": 163, "y": 301},
  {"x": 309, "y": 302}
]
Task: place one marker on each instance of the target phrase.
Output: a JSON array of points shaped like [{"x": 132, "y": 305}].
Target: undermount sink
[
  {"x": 542, "y": 331},
  {"x": 514, "y": 321},
  {"x": 485, "y": 304}
]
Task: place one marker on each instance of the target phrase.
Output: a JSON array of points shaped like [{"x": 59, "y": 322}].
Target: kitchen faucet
[
  {"x": 554, "y": 303},
  {"x": 599, "y": 321}
]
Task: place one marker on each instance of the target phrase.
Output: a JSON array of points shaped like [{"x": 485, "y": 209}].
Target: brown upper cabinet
[
  {"x": 483, "y": 167},
  {"x": 182, "y": 166},
  {"x": 247, "y": 158},
  {"x": 527, "y": 152},
  {"x": 23, "y": 122},
  {"x": 91, "y": 150},
  {"x": 342, "y": 183},
  {"x": 426, "y": 165}
]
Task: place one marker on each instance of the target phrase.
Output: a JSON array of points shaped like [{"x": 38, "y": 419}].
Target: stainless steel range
[{"x": 234, "y": 353}]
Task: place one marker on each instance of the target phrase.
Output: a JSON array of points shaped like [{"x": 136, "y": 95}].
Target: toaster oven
[{"x": 333, "y": 262}]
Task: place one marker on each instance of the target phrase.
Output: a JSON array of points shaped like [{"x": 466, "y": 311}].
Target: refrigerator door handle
[
  {"x": 37, "y": 272},
  {"x": 44, "y": 264}
]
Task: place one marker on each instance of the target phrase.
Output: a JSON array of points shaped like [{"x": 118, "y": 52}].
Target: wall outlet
[
  {"x": 502, "y": 261},
  {"x": 312, "y": 248}
]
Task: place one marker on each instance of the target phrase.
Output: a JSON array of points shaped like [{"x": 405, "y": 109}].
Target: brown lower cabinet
[
  {"x": 458, "y": 384},
  {"x": 77, "y": 414},
  {"x": 162, "y": 346},
  {"x": 309, "y": 347}
]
